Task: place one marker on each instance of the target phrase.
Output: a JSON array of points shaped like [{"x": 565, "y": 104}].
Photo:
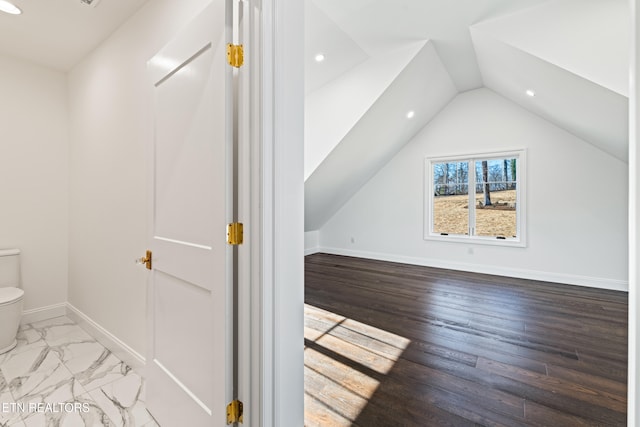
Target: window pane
[
  {"x": 496, "y": 197},
  {"x": 451, "y": 198}
]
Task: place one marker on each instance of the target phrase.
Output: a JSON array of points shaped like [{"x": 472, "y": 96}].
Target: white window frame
[{"x": 519, "y": 240}]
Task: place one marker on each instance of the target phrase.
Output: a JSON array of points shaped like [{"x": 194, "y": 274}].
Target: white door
[{"x": 189, "y": 356}]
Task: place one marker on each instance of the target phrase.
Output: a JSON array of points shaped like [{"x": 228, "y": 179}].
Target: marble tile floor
[{"x": 58, "y": 375}]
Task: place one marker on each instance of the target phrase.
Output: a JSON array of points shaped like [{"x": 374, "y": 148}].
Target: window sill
[{"x": 476, "y": 240}]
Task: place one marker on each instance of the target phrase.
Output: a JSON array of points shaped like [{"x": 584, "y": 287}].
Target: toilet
[{"x": 10, "y": 298}]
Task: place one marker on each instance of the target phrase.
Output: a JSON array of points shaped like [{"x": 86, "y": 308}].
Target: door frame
[
  {"x": 279, "y": 249},
  {"x": 633, "y": 333},
  {"x": 271, "y": 205},
  {"x": 275, "y": 260}
]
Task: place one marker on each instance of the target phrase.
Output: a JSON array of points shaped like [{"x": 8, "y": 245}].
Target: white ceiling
[
  {"x": 577, "y": 63},
  {"x": 58, "y": 33},
  {"x": 591, "y": 111},
  {"x": 377, "y": 26},
  {"x": 573, "y": 53},
  {"x": 378, "y": 134},
  {"x": 325, "y": 36},
  {"x": 589, "y": 38}
]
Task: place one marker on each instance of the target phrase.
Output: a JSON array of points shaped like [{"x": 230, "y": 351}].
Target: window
[{"x": 477, "y": 198}]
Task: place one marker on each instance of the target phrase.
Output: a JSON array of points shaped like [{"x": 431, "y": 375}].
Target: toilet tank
[{"x": 9, "y": 268}]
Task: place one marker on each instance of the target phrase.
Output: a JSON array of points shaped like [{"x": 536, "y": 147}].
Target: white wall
[
  {"x": 577, "y": 235},
  {"x": 34, "y": 177},
  {"x": 311, "y": 242},
  {"x": 110, "y": 103}
]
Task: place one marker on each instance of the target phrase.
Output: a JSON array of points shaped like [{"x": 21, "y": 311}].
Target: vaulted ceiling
[{"x": 573, "y": 54}]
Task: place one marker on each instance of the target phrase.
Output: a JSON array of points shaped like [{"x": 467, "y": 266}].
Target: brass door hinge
[
  {"x": 234, "y": 412},
  {"x": 235, "y": 233},
  {"x": 235, "y": 55}
]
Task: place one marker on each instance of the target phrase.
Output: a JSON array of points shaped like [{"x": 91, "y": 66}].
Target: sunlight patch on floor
[{"x": 343, "y": 357}]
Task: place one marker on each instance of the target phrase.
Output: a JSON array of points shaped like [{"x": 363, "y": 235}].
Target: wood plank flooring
[{"x": 390, "y": 344}]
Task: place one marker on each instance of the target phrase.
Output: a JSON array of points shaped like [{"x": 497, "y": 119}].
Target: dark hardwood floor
[{"x": 391, "y": 344}]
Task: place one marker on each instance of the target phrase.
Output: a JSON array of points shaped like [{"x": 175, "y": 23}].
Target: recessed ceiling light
[
  {"x": 410, "y": 114},
  {"x": 9, "y": 8},
  {"x": 92, "y": 3},
  {"x": 320, "y": 57},
  {"x": 531, "y": 92}
]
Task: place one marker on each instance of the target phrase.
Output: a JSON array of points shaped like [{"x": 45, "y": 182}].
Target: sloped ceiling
[
  {"x": 589, "y": 38},
  {"x": 572, "y": 53},
  {"x": 325, "y": 36},
  {"x": 378, "y": 135},
  {"x": 378, "y": 26},
  {"x": 577, "y": 63},
  {"x": 334, "y": 109}
]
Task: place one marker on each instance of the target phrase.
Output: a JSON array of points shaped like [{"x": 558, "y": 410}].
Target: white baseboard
[
  {"x": 311, "y": 251},
  {"x": 121, "y": 350},
  {"x": 568, "y": 279},
  {"x": 43, "y": 313}
]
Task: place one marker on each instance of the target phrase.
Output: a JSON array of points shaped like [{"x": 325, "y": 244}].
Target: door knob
[{"x": 146, "y": 260}]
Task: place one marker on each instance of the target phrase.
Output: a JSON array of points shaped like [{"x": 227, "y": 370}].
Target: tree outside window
[{"x": 492, "y": 212}]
